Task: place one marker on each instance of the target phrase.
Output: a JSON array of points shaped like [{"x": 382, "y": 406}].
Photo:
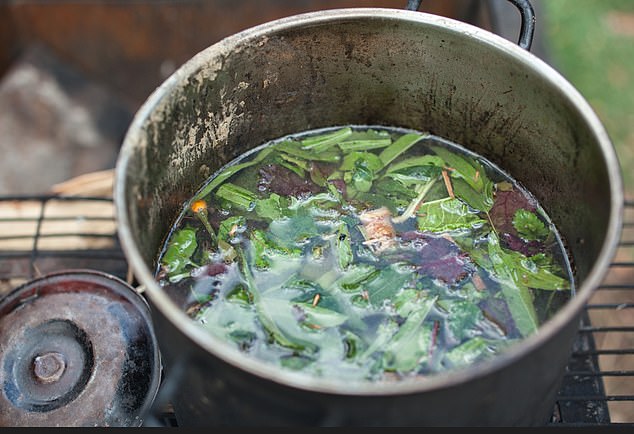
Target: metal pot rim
[{"x": 442, "y": 380}]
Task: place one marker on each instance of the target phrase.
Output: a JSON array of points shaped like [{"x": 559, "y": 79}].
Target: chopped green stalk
[
  {"x": 401, "y": 145},
  {"x": 364, "y": 145},
  {"x": 237, "y": 195},
  {"x": 230, "y": 171},
  {"x": 422, "y": 190},
  {"x": 199, "y": 208},
  {"x": 299, "y": 162},
  {"x": 324, "y": 141},
  {"x": 424, "y": 160},
  {"x": 202, "y": 216},
  {"x": 292, "y": 167},
  {"x": 294, "y": 149}
]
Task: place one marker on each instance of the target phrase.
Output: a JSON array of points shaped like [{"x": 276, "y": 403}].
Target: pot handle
[{"x": 527, "y": 13}]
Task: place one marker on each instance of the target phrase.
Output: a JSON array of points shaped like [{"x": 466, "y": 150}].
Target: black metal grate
[{"x": 41, "y": 234}]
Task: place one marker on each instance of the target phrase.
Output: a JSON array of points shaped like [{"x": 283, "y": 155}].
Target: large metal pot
[{"x": 382, "y": 67}]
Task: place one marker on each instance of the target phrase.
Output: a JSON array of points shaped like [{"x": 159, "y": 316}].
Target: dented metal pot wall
[{"x": 368, "y": 67}]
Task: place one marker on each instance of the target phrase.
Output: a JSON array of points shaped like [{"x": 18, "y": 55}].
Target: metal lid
[{"x": 76, "y": 349}]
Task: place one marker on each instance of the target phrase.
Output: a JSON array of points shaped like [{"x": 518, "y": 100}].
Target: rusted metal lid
[{"x": 77, "y": 348}]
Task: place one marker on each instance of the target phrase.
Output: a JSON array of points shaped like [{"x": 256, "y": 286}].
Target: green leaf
[
  {"x": 395, "y": 190},
  {"x": 238, "y": 294},
  {"x": 295, "y": 362},
  {"x": 293, "y": 148},
  {"x": 370, "y": 160},
  {"x": 387, "y": 283},
  {"x": 236, "y": 195},
  {"x": 322, "y": 200},
  {"x": 447, "y": 215},
  {"x": 231, "y": 321},
  {"x": 355, "y": 275},
  {"x": 482, "y": 201},
  {"x": 353, "y": 344},
  {"x": 415, "y": 175},
  {"x": 260, "y": 250},
  {"x": 469, "y": 352},
  {"x": 410, "y": 346},
  {"x": 401, "y": 145},
  {"x": 364, "y": 145},
  {"x": 271, "y": 208},
  {"x": 517, "y": 294},
  {"x": 407, "y": 301},
  {"x": 180, "y": 249},
  {"x": 463, "y": 316},
  {"x": 227, "y": 225},
  {"x": 278, "y": 318},
  {"x": 229, "y": 171},
  {"x": 464, "y": 167},
  {"x": 361, "y": 177},
  {"x": 423, "y": 160},
  {"x": 284, "y": 162},
  {"x": 322, "y": 142},
  {"x": 343, "y": 247},
  {"x": 529, "y": 226},
  {"x": 533, "y": 274},
  {"x": 320, "y": 317},
  {"x": 384, "y": 334},
  {"x": 298, "y": 162},
  {"x": 265, "y": 312},
  {"x": 288, "y": 232}
]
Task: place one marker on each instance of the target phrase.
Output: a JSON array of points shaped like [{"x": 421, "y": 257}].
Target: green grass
[{"x": 591, "y": 42}]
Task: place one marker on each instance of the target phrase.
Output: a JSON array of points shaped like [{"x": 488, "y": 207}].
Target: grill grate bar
[
  {"x": 591, "y": 329},
  {"x": 596, "y": 398},
  {"x": 114, "y": 254},
  {"x": 616, "y": 286},
  {"x": 599, "y": 374},
  {"x": 605, "y": 352},
  {"x": 612, "y": 306}
]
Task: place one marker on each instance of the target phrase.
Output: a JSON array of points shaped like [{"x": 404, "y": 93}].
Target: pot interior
[{"x": 370, "y": 67}]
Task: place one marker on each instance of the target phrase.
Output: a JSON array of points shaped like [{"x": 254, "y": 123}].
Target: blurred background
[{"x": 73, "y": 73}]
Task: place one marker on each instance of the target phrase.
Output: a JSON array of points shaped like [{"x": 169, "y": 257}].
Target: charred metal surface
[{"x": 76, "y": 349}]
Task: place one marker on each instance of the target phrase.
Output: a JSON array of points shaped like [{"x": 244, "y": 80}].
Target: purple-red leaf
[
  {"x": 438, "y": 257},
  {"x": 504, "y": 207},
  {"x": 285, "y": 182},
  {"x": 525, "y": 247}
]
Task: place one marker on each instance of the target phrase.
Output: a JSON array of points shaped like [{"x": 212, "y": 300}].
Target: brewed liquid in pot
[{"x": 366, "y": 253}]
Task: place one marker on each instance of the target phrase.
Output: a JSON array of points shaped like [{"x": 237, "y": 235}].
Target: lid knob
[{"x": 49, "y": 367}]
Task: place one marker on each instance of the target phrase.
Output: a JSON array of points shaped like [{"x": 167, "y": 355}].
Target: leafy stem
[{"x": 422, "y": 190}]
